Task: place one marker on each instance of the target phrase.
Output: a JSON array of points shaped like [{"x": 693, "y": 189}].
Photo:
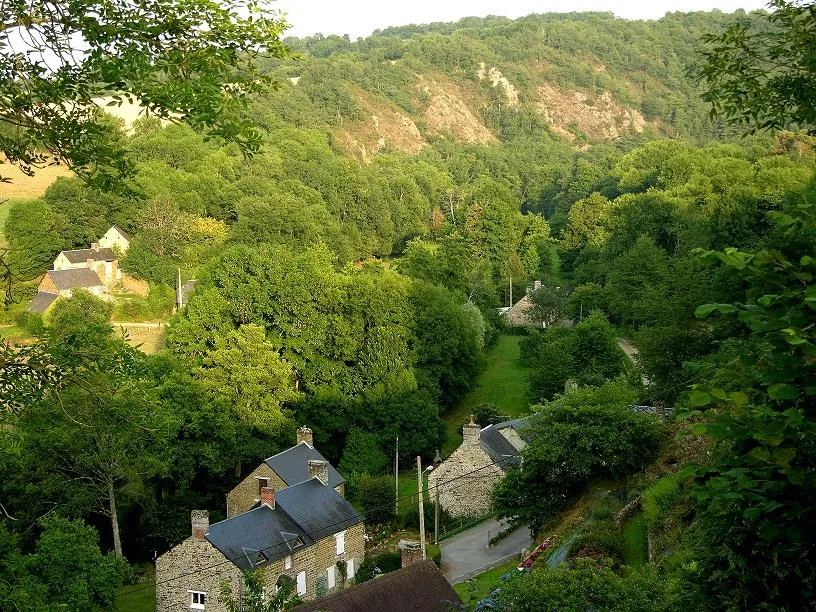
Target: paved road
[{"x": 466, "y": 553}]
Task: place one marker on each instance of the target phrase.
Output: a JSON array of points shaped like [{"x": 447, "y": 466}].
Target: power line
[{"x": 275, "y": 546}]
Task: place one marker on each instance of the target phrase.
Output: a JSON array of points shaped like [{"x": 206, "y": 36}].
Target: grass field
[
  {"x": 129, "y": 599},
  {"x": 4, "y": 211},
  {"x": 503, "y": 383},
  {"x": 474, "y": 590},
  {"x": 635, "y": 541}
]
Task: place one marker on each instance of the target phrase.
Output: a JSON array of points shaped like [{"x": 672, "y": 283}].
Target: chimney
[
  {"x": 304, "y": 434},
  {"x": 471, "y": 432},
  {"x": 200, "y": 520},
  {"x": 410, "y": 552},
  {"x": 268, "y": 497},
  {"x": 320, "y": 470},
  {"x": 95, "y": 246}
]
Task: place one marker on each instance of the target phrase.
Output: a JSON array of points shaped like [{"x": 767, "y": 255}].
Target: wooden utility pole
[
  {"x": 421, "y": 507},
  {"x": 511, "y": 291},
  {"x": 396, "y": 480},
  {"x": 436, "y": 515}
]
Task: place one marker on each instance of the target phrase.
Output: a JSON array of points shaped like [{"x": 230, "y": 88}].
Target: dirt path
[{"x": 631, "y": 351}]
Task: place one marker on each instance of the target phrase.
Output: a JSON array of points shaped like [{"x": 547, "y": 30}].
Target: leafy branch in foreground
[
  {"x": 191, "y": 61},
  {"x": 763, "y": 75}
]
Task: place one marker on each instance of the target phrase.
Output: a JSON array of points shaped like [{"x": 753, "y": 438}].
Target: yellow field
[{"x": 24, "y": 187}]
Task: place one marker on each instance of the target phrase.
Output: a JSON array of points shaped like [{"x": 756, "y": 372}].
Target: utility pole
[
  {"x": 396, "y": 480},
  {"x": 511, "y": 291},
  {"x": 436, "y": 515},
  {"x": 421, "y": 507}
]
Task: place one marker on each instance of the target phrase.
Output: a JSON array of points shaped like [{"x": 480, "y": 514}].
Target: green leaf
[
  {"x": 698, "y": 397},
  {"x": 782, "y": 391}
]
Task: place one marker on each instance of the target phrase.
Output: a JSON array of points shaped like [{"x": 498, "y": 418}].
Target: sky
[{"x": 359, "y": 18}]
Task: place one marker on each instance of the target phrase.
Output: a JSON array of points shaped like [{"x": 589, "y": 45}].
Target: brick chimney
[
  {"x": 471, "y": 432},
  {"x": 268, "y": 497},
  {"x": 200, "y": 520},
  {"x": 410, "y": 552},
  {"x": 304, "y": 434},
  {"x": 320, "y": 470},
  {"x": 95, "y": 246}
]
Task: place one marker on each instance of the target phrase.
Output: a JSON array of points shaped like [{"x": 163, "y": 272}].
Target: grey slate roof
[
  {"x": 418, "y": 587},
  {"x": 292, "y": 465},
  {"x": 74, "y": 278},
  {"x": 496, "y": 445},
  {"x": 82, "y": 255},
  {"x": 303, "y": 514},
  {"x": 41, "y": 302},
  {"x": 243, "y": 538},
  {"x": 317, "y": 508}
]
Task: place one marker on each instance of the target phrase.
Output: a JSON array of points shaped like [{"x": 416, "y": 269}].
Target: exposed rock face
[
  {"x": 387, "y": 126},
  {"x": 600, "y": 119},
  {"x": 447, "y": 113},
  {"x": 498, "y": 79}
]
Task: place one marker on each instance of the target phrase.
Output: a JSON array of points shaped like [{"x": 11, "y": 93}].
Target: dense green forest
[{"x": 349, "y": 275}]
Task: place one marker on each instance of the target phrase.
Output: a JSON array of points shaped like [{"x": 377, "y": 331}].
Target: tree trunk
[{"x": 117, "y": 542}]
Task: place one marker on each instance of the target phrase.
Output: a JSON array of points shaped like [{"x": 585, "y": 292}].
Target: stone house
[
  {"x": 101, "y": 260},
  {"x": 306, "y": 534},
  {"x": 64, "y": 282},
  {"x": 466, "y": 478},
  {"x": 115, "y": 238},
  {"x": 282, "y": 470}
]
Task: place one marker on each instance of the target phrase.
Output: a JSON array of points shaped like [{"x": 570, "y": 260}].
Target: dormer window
[{"x": 261, "y": 558}]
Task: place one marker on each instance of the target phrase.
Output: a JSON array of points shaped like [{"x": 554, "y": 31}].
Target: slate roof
[
  {"x": 497, "y": 446},
  {"x": 292, "y": 465},
  {"x": 303, "y": 514},
  {"x": 41, "y": 302},
  {"x": 83, "y": 255},
  {"x": 420, "y": 586},
  {"x": 73, "y": 278}
]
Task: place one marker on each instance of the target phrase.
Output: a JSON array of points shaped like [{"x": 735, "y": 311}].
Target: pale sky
[{"x": 361, "y": 17}]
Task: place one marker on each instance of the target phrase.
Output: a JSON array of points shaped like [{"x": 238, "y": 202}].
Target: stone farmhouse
[
  {"x": 115, "y": 238},
  {"x": 305, "y": 533},
  {"x": 285, "y": 469},
  {"x": 95, "y": 270},
  {"x": 101, "y": 260},
  {"x": 466, "y": 478}
]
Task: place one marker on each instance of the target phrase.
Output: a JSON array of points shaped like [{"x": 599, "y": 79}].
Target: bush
[
  {"x": 161, "y": 300},
  {"x": 600, "y": 539},
  {"x": 410, "y": 518},
  {"x": 366, "y": 571},
  {"x": 31, "y": 322},
  {"x": 375, "y": 495},
  {"x": 388, "y": 561},
  {"x": 486, "y": 414}
]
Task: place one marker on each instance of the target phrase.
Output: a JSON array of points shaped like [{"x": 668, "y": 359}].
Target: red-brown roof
[{"x": 418, "y": 587}]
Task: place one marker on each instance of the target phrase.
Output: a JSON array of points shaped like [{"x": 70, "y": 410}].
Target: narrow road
[
  {"x": 466, "y": 554},
  {"x": 631, "y": 352}
]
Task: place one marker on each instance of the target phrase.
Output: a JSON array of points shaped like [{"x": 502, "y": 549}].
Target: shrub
[
  {"x": 388, "y": 561},
  {"x": 375, "y": 495},
  {"x": 599, "y": 539},
  {"x": 31, "y": 322}
]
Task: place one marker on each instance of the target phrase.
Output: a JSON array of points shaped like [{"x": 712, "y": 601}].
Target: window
[
  {"x": 340, "y": 539},
  {"x": 330, "y": 574},
  {"x": 287, "y": 562},
  {"x": 262, "y": 482},
  {"x": 197, "y": 599},
  {"x": 350, "y": 568},
  {"x": 301, "y": 583}
]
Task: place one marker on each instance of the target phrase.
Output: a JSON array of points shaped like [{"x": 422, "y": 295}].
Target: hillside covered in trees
[{"x": 349, "y": 275}]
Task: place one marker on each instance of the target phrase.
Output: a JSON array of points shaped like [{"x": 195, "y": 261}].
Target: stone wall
[
  {"x": 468, "y": 496},
  {"x": 135, "y": 285},
  {"x": 209, "y": 569},
  {"x": 244, "y": 496}
]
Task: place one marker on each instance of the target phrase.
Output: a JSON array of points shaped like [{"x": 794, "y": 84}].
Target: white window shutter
[
  {"x": 301, "y": 583},
  {"x": 330, "y": 574}
]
